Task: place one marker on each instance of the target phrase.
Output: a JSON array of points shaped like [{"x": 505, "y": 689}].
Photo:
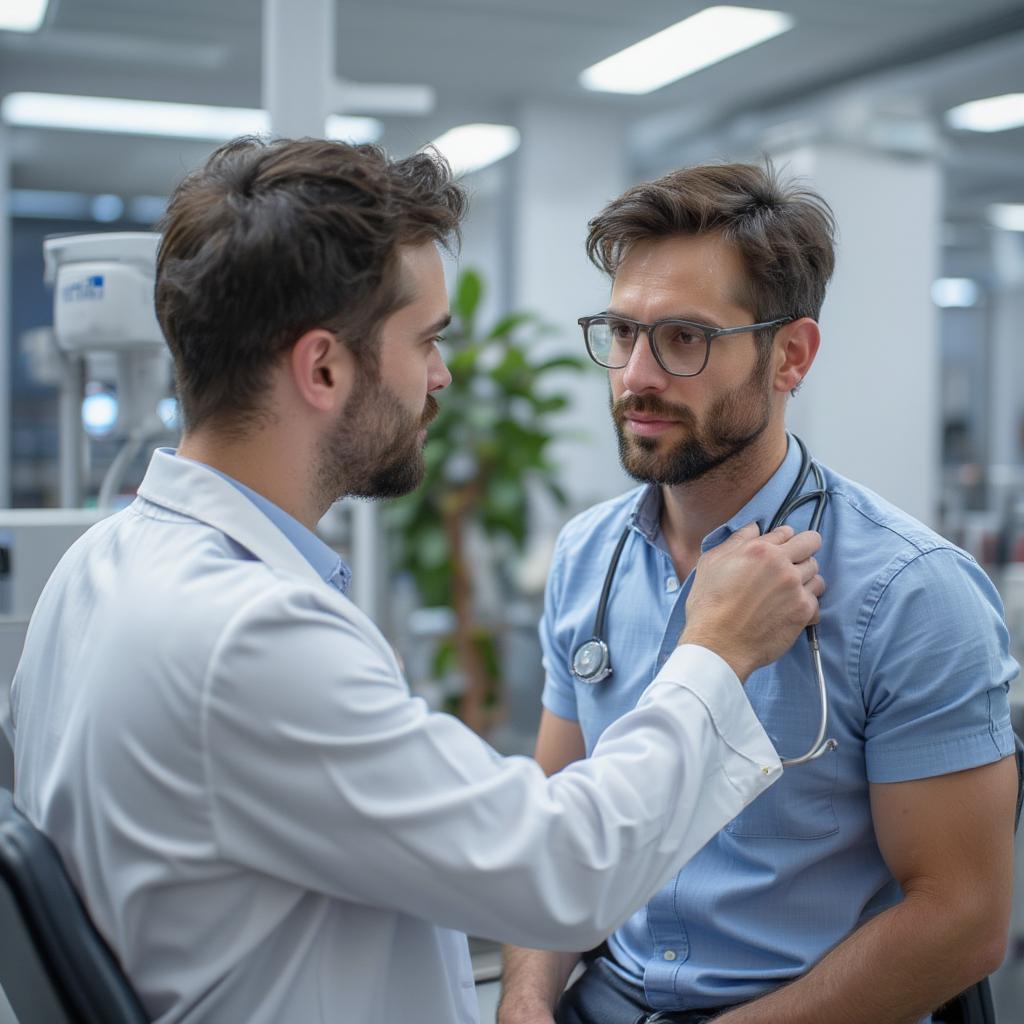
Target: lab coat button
[{"x": 670, "y": 954}]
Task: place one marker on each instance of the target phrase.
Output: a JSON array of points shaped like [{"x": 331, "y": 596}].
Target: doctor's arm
[
  {"x": 948, "y": 841},
  {"x": 325, "y": 773}
]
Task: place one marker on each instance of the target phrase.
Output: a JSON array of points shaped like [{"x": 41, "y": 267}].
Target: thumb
[{"x": 747, "y": 532}]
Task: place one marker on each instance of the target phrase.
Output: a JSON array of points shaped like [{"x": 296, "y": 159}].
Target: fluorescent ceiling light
[
  {"x": 142, "y": 117},
  {"x": 996, "y": 114},
  {"x": 353, "y": 129},
  {"x": 136, "y": 117},
  {"x": 1008, "y": 216},
  {"x": 469, "y": 147},
  {"x": 22, "y": 15},
  {"x": 955, "y": 292},
  {"x": 695, "y": 43}
]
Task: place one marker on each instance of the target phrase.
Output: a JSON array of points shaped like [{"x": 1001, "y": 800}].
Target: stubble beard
[
  {"x": 731, "y": 425},
  {"x": 374, "y": 449}
]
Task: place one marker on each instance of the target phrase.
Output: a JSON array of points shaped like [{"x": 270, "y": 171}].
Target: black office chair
[
  {"x": 54, "y": 964},
  {"x": 974, "y": 1005}
]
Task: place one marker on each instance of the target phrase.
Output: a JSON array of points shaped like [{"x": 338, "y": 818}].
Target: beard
[
  {"x": 733, "y": 422},
  {"x": 374, "y": 449}
]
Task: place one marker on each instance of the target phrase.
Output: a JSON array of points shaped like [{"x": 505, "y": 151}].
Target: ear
[
  {"x": 322, "y": 370},
  {"x": 796, "y": 345}
]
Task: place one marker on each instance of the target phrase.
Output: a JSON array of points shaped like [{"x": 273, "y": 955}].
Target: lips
[{"x": 648, "y": 426}]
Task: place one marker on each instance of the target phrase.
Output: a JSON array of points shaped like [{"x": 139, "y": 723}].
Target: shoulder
[{"x": 889, "y": 526}]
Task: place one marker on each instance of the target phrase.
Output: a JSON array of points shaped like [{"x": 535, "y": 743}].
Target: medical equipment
[{"x": 591, "y": 662}]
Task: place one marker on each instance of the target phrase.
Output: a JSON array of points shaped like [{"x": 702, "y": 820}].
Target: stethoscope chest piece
[{"x": 591, "y": 663}]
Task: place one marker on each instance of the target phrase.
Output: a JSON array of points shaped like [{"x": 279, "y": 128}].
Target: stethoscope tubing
[{"x": 591, "y": 662}]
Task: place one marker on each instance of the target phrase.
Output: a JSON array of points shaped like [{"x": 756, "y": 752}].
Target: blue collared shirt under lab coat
[
  {"x": 325, "y": 560},
  {"x": 916, "y": 660}
]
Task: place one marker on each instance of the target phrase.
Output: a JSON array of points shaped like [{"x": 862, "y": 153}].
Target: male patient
[{"x": 873, "y": 883}]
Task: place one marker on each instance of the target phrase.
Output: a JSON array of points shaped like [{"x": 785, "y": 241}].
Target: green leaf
[
  {"x": 560, "y": 363},
  {"x": 469, "y": 290},
  {"x": 507, "y": 324}
]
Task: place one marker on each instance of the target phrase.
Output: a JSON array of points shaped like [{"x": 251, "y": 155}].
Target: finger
[
  {"x": 816, "y": 586},
  {"x": 780, "y": 534},
  {"x": 802, "y": 546},
  {"x": 808, "y": 570}
]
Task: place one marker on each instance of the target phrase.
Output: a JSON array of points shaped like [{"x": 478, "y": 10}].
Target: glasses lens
[
  {"x": 610, "y": 341},
  {"x": 682, "y": 347}
]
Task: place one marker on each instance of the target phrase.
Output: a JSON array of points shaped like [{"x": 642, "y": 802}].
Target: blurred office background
[{"x": 919, "y": 388}]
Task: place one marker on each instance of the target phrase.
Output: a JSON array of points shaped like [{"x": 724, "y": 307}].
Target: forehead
[
  {"x": 422, "y": 273},
  {"x": 681, "y": 275}
]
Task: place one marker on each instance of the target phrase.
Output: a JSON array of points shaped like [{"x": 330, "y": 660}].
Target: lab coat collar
[{"x": 194, "y": 490}]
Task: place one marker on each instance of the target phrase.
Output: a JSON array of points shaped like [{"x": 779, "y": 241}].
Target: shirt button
[
  {"x": 670, "y": 954},
  {"x": 671, "y": 584}
]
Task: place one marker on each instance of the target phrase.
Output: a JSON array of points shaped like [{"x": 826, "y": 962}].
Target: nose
[
  {"x": 643, "y": 373},
  {"x": 438, "y": 374}
]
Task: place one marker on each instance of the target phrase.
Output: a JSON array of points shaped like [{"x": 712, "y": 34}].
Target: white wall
[{"x": 870, "y": 406}]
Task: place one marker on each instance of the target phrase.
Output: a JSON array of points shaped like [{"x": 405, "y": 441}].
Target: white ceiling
[{"x": 487, "y": 58}]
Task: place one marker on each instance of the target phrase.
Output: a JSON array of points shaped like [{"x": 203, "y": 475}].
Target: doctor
[{"x": 263, "y": 823}]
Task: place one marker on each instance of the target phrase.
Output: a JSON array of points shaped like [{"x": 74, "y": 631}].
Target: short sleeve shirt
[{"x": 917, "y": 668}]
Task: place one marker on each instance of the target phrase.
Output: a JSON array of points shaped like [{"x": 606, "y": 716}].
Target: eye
[
  {"x": 620, "y": 330},
  {"x": 681, "y": 335}
]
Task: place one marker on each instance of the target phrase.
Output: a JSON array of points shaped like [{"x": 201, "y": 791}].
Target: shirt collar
[
  {"x": 646, "y": 515},
  {"x": 328, "y": 564}
]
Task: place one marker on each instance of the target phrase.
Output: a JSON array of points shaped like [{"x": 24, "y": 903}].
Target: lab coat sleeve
[{"x": 324, "y": 771}]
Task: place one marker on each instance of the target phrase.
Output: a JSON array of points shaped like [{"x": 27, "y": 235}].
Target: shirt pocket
[{"x": 801, "y": 804}]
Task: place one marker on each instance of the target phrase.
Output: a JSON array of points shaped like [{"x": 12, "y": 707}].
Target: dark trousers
[{"x": 601, "y": 996}]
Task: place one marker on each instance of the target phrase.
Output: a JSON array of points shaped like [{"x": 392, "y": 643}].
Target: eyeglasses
[{"x": 681, "y": 347}]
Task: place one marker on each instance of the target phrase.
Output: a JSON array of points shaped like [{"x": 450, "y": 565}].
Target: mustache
[
  {"x": 651, "y": 405},
  {"x": 430, "y": 410}
]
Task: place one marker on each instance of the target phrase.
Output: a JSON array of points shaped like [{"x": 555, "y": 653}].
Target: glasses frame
[{"x": 710, "y": 333}]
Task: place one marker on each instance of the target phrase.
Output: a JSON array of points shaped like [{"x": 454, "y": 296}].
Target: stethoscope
[{"x": 591, "y": 662}]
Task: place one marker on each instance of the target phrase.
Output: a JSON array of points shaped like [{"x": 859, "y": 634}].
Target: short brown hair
[
  {"x": 785, "y": 233},
  {"x": 270, "y": 239}
]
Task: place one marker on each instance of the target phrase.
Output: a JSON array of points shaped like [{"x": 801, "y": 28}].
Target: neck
[
  {"x": 269, "y": 462},
  {"x": 691, "y": 511}
]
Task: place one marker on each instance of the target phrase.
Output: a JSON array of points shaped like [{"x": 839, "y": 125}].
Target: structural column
[
  {"x": 1006, "y": 407},
  {"x": 298, "y": 50},
  {"x": 6, "y": 342},
  {"x": 870, "y": 406}
]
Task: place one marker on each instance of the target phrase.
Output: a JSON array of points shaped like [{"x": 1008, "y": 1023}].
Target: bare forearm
[
  {"x": 532, "y": 981},
  {"x": 895, "y": 970}
]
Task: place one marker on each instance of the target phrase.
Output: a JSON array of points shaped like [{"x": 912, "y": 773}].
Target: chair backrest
[
  {"x": 974, "y": 1005},
  {"x": 54, "y": 964}
]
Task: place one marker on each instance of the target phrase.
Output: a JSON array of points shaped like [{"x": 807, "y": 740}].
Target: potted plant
[{"x": 489, "y": 440}]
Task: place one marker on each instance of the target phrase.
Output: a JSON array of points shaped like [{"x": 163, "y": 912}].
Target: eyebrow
[
  {"x": 438, "y": 325},
  {"x": 694, "y": 318}
]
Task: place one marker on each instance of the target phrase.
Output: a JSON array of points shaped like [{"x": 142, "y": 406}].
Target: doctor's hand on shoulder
[{"x": 753, "y": 595}]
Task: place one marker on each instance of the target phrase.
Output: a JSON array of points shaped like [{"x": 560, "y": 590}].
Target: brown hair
[
  {"x": 270, "y": 239},
  {"x": 784, "y": 233}
]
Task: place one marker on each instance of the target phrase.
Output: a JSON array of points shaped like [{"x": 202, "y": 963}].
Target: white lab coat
[{"x": 268, "y": 828}]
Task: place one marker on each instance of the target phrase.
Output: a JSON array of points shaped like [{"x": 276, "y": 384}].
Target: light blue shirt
[
  {"x": 917, "y": 663},
  {"x": 328, "y": 564}
]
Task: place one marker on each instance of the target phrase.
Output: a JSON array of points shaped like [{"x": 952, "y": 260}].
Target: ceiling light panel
[
  {"x": 705, "y": 38},
  {"x": 1008, "y": 216},
  {"x": 174, "y": 120},
  {"x": 995, "y": 114},
  {"x": 470, "y": 147},
  {"x": 22, "y": 15}
]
